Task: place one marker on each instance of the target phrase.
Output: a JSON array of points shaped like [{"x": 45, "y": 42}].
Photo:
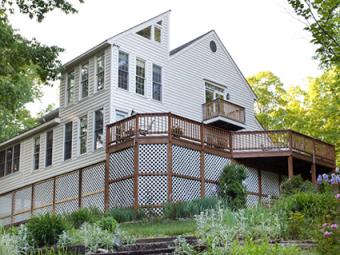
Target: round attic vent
[{"x": 213, "y": 46}]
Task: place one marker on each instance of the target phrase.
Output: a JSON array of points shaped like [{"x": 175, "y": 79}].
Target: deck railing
[
  {"x": 177, "y": 127},
  {"x": 220, "y": 107}
]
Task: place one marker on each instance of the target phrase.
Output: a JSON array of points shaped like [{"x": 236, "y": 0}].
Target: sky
[{"x": 260, "y": 35}]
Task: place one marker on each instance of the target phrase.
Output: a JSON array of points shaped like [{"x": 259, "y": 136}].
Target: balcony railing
[
  {"x": 220, "y": 107},
  {"x": 169, "y": 125}
]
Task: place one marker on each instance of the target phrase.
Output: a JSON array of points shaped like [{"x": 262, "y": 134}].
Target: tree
[
  {"x": 25, "y": 65},
  {"x": 322, "y": 20}
]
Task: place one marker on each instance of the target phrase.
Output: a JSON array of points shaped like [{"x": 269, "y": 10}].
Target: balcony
[{"x": 224, "y": 114}]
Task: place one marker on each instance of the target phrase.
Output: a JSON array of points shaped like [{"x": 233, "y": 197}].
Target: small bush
[
  {"x": 78, "y": 218},
  {"x": 188, "y": 209},
  {"x": 296, "y": 184},
  {"x": 250, "y": 247},
  {"x": 231, "y": 187},
  {"x": 45, "y": 229},
  {"x": 108, "y": 223},
  {"x": 126, "y": 214},
  {"x": 328, "y": 240}
]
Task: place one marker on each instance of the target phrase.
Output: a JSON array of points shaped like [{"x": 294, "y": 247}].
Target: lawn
[{"x": 159, "y": 228}]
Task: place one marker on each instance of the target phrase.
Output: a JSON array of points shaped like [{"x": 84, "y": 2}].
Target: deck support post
[
  {"x": 135, "y": 164},
  {"x": 313, "y": 170},
  {"x": 169, "y": 163},
  {"x": 290, "y": 166},
  {"x": 107, "y": 171},
  {"x": 202, "y": 163}
]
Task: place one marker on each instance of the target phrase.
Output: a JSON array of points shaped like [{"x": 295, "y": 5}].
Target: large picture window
[
  {"x": 68, "y": 141},
  {"x": 123, "y": 72},
  {"x": 83, "y": 134},
  {"x": 49, "y": 148},
  {"x": 157, "y": 82},
  {"x": 100, "y": 72},
  {"x": 98, "y": 129},
  {"x": 140, "y": 76},
  {"x": 36, "y": 152},
  {"x": 70, "y": 88},
  {"x": 84, "y": 80}
]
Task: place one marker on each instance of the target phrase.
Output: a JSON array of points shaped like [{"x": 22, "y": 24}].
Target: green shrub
[
  {"x": 78, "y": 218},
  {"x": 108, "y": 223},
  {"x": 296, "y": 184},
  {"x": 126, "y": 214},
  {"x": 231, "y": 187},
  {"x": 45, "y": 229},
  {"x": 252, "y": 248},
  {"x": 187, "y": 209}
]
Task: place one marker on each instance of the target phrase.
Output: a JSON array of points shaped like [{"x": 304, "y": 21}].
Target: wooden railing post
[
  {"x": 135, "y": 163},
  {"x": 169, "y": 160},
  {"x": 290, "y": 141},
  {"x": 80, "y": 187},
  {"x": 231, "y": 143}
]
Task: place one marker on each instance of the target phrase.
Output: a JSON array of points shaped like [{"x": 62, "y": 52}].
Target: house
[{"x": 140, "y": 124}]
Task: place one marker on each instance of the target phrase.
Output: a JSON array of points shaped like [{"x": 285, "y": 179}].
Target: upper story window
[
  {"x": 9, "y": 160},
  {"x": 83, "y": 134},
  {"x": 68, "y": 141},
  {"x": 146, "y": 32},
  {"x": 157, "y": 82},
  {"x": 123, "y": 73},
  {"x": 70, "y": 87},
  {"x": 140, "y": 76},
  {"x": 36, "y": 152},
  {"x": 49, "y": 148},
  {"x": 84, "y": 80},
  {"x": 157, "y": 33},
  {"x": 100, "y": 72},
  {"x": 98, "y": 129},
  {"x": 121, "y": 115}
]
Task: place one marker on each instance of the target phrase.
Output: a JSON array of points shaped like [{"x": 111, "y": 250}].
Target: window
[
  {"x": 84, "y": 80},
  {"x": 140, "y": 76},
  {"x": 123, "y": 75},
  {"x": 157, "y": 34},
  {"x": 146, "y": 32},
  {"x": 70, "y": 88},
  {"x": 98, "y": 129},
  {"x": 36, "y": 152},
  {"x": 100, "y": 72},
  {"x": 157, "y": 82},
  {"x": 121, "y": 115},
  {"x": 49, "y": 148},
  {"x": 68, "y": 141},
  {"x": 83, "y": 134},
  {"x": 9, "y": 155},
  {"x": 2, "y": 163},
  {"x": 16, "y": 158}
]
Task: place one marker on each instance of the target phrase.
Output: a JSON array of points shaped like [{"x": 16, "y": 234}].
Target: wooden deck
[{"x": 245, "y": 145}]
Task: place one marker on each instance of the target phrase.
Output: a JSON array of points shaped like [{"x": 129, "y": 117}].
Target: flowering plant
[
  {"x": 333, "y": 179},
  {"x": 329, "y": 240}
]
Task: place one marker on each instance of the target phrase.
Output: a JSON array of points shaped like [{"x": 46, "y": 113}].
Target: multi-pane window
[
  {"x": 146, "y": 32},
  {"x": 16, "y": 158},
  {"x": 2, "y": 163},
  {"x": 68, "y": 141},
  {"x": 121, "y": 115},
  {"x": 9, "y": 160},
  {"x": 157, "y": 82},
  {"x": 157, "y": 33},
  {"x": 83, "y": 134},
  {"x": 100, "y": 72},
  {"x": 123, "y": 73},
  {"x": 36, "y": 152},
  {"x": 98, "y": 129},
  {"x": 140, "y": 76},
  {"x": 84, "y": 80},
  {"x": 70, "y": 87},
  {"x": 49, "y": 148}
]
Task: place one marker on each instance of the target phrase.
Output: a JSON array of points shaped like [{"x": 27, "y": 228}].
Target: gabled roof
[{"x": 174, "y": 51}]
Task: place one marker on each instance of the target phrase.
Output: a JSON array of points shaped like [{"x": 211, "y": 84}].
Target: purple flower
[
  {"x": 319, "y": 179},
  {"x": 334, "y": 226},
  {"x": 337, "y": 196},
  {"x": 325, "y": 177},
  {"x": 327, "y": 234},
  {"x": 338, "y": 178},
  {"x": 325, "y": 225},
  {"x": 333, "y": 179}
]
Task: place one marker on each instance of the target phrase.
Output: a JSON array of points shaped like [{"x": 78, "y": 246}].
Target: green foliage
[
  {"x": 322, "y": 20},
  {"x": 108, "y": 223},
  {"x": 297, "y": 228},
  {"x": 45, "y": 229},
  {"x": 264, "y": 248},
  {"x": 296, "y": 184},
  {"x": 231, "y": 187},
  {"x": 89, "y": 215},
  {"x": 328, "y": 239},
  {"x": 126, "y": 214},
  {"x": 187, "y": 209}
]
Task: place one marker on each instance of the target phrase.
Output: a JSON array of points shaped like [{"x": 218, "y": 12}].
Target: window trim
[
  {"x": 64, "y": 141},
  {"x": 94, "y": 129},
  {"x": 127, "y": 72},
  {"x": 81, "y": 81},
  {"x": 137, "y": 76},
  {"x": 67, "y": 89},
  {"x": 158, "y": 83},
  {"x": 81, "y": 136},
  {"x": 46, "y": 148},
  {"x": 101, "y": 73},
  {"x": 35, "y": 153}
]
